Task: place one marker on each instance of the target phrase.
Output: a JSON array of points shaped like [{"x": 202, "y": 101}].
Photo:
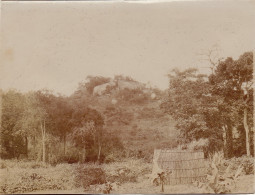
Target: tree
[
  {"x": 195, "y": 110},
  {"x": 232, "y": 80},
  {"x": 12, "y": 141},
  {"x": 186, "y": 102},
  {"x": 45, "y": 105},
  {"x": 59, "y": 114},
  {"x": 87, "y": 131},
  {"x": 212, "y": 107},
  {"x": 29, "y": 122}
]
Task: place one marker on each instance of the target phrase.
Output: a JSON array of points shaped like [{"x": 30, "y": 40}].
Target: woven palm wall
[{"x": 186, "y": 166}]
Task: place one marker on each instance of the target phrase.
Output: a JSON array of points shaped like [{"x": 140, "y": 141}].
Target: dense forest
[{"x": 101, "y": 121}]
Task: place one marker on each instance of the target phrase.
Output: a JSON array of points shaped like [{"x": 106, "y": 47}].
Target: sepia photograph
[{"x": 127, "y": 97}]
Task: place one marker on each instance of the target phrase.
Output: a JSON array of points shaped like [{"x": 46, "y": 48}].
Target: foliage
[
  {"x": 88, "y": 135},
  {"x": 112, "y": 147},
  {"x": 189, "y": 102},
  {"x": 248, "y": 166},
  {"x": 161, "y": 179},
  {"x": 22, "y": 177},
  {"x": 119, "y": 115},
  {"x": 72, "y": 156},
  {"x": 231, "y": 80},
  {"x": 246, "y": 162},
  {"x": 223, "y": 174},
  {"x": 136, "y": 96},
  {"x": 126, "y": 171},
  {"x": 12, "y": 142},
  {"x": 90, "y": 174},
  {"x": 212, "y": 106},
  {"x": 108, "y": 188},
  {"x": 122, "y": 77}
]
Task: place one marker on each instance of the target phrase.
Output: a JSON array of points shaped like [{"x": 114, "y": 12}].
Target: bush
[
  {"x": 248, "y": 166},
  {"x": 32, "y": 177},
  {"x": 246, "y": 162},
  {"x": 89, "y": 174},
  {"x": 127, "y": 171}
]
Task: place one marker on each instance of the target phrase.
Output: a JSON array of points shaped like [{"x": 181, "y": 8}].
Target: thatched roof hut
[{"x": 185, "y": 166}]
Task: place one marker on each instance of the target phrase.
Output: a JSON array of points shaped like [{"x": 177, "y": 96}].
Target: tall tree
[
  {"x": 182, "y": 103},
  {"x": 191, "y": 104},
  {"x": 87, "y": 130},
  {"x": 232, "y": 80},
  {"x": 12, "y": 141},
  {"x": 46, "y": 105}
]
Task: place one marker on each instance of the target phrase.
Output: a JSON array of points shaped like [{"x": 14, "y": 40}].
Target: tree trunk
[
  {"x": 224, "y": 140},
  {"x": 99, "y": 152},
  {"x": 246, "y": 127},
  {"x": 64, "y": 144},
  {"x": 100, "y": 135},
  {"x": 43, "y": 140},
  {"x": 26, "y": 142},
  {"x": 34, "y": 145},
  {"x": 84, "y": 155},
  {"x": 228, "y": 141}
]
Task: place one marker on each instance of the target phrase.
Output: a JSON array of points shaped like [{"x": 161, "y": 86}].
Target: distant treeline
[{"x": 40, "y": 125}]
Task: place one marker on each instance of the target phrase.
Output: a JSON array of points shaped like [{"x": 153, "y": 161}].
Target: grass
[
  {"x": 24, "y": 176},
  {"x": 20, "y": 177},
  {"x": 129, "y": 176}
]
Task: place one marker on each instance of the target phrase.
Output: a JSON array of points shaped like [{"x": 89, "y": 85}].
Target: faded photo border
[{"x": 127, "y": 97}]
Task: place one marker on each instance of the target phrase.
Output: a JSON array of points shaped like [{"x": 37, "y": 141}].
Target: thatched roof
[{"x": 186, "y": 166}]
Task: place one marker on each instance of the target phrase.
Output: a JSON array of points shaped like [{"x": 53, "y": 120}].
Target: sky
[{"x": 56, "y": 45}]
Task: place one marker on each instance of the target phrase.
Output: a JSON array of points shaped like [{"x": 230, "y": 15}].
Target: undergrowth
[
  {"x": 24, "y": 176},
  {"x": 223, "y": 174},
  {"x": 28, "y": 178}
]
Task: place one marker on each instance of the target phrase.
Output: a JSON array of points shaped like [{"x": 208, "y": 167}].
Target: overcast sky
[{"x": 56, "y": 45}]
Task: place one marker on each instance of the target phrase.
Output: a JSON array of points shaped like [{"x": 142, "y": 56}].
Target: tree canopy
[{"x": 214, "y": 106}]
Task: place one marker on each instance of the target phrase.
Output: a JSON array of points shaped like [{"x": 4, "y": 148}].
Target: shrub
[
  {"x": 222, "y": 174},
  {"x": 21, "y": 180},
  {"x": 246, "y": 162},
  {"x": 248, "y": 166},
  {"x": 89, "y": 174},
  {"x": 127, "y": 171}
]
